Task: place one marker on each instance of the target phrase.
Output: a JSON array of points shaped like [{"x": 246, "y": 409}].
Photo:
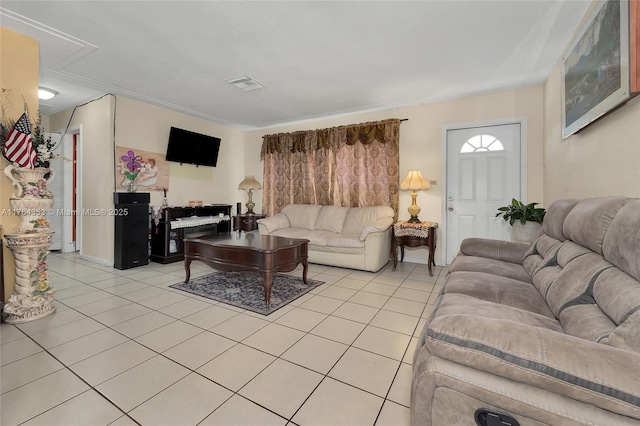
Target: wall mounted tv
[{"x": 192, "y": 148}]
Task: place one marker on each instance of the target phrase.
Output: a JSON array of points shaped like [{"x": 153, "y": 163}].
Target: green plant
[{"x": 517, "y": 210}]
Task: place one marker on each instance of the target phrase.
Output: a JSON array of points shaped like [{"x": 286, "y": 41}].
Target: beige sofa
[
  {"x": 547, "y": 333},
  {"x": 348, "y": 237}
]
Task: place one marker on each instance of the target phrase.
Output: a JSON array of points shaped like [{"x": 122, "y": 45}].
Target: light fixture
[
  {"x": 413, "y": 182},
  {"x": 46, "y": 94},
  {"x": 249, "y": 184}
]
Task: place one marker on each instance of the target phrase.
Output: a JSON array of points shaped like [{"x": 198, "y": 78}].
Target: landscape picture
[{"x": 596, "y": 67}]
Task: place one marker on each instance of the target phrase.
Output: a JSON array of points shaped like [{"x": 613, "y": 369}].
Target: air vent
[{"x": 246, "y": 83}]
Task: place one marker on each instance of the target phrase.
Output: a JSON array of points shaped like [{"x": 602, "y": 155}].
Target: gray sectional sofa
[
  {"x": 348, "y": 237},
  {"x": 547, "y": 333}
]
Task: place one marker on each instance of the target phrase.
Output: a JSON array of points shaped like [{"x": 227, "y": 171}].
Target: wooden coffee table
[{"x": 248, "y": 251}]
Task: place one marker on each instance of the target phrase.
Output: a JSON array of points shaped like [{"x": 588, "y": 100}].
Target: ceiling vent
[{"x": 246, "y": 83}]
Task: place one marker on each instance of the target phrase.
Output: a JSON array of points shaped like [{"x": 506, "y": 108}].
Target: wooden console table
[
  {"x": 414, "y": 235},
  {"x": 173, "y": 224}
]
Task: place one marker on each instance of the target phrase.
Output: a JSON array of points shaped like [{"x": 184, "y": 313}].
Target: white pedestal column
[{"x": 32, "y": 296}]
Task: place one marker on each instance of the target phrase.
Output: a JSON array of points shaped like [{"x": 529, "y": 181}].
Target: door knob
[
  {"x": 450, "y": 198},
  {"x": 450, "y": 209}
]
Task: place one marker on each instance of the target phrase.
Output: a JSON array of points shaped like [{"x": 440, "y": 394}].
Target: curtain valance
[{"x": 331, "y": 138}]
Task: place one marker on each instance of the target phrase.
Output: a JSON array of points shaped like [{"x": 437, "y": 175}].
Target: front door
[{"x": 483, "y": 174}]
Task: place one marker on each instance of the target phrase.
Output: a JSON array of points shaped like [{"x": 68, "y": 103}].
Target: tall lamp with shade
[
  {"x": 249, "y": 184},
  {"x": 414, "y": 182}
]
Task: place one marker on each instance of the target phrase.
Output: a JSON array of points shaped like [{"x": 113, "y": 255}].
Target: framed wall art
[
  {"x": 148, "y": 170},
  {"x": 596, "y": 66}
]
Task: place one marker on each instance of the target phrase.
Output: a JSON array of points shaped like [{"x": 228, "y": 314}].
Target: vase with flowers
[
  {"x": 29, "y": 152},
  {"x": 130, "y": 167}
]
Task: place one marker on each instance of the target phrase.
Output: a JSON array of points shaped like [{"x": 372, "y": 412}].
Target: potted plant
[{"x": 526, "y": 219}]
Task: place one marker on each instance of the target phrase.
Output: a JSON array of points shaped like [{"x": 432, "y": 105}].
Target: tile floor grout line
[
  {"x": 66, "y": 367},
  {"x": 273, "y": 321}
]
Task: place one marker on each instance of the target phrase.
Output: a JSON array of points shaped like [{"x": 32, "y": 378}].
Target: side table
[
  {"x": 247, "y": 222},
  {"x": 414, "y": 235}
]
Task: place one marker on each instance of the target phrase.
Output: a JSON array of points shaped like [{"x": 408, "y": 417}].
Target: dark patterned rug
[{"x": 246, "y": 289}]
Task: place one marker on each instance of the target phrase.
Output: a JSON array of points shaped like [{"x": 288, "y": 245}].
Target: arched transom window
[{"x": 480, "y": 143}]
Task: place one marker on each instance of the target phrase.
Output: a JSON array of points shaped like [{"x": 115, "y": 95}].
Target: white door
[{"x": 483, "y": 174}]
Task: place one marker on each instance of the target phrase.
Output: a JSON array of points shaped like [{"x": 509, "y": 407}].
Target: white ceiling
[{"x": 315, "y": 58}]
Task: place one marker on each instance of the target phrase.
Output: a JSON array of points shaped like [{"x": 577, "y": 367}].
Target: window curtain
[{"x": 351, "y": 166}]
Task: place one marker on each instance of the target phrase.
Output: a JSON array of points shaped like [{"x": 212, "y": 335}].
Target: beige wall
[
  {"x": 601, "y": 159},
  {"x": 19, "y": 68},
  {"x": 95, "y": 124},
  {"x": 421, "y": 144},
  {"x": 146, "y": 127}
]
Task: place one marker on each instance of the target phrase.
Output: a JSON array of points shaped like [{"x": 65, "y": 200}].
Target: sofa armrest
[
  {"x": 507, "y": 251},
  {"x": 379, "y": 225},
  {"x": 273, "y": 223},
  {"x": 594, "y": 373}
]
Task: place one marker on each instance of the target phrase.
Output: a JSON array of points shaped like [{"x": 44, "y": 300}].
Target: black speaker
[
  {"x": 131, "y": 213},
  {"x": 131, "y": 198},
  {"x": 239, "y": 208}
]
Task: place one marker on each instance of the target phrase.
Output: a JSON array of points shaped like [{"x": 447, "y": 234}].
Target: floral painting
[{"x": 149, "y": 171}]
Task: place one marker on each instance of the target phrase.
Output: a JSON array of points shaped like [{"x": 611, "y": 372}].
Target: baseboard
[
  {"x": 99, "y": 261},
  {"x": 421, "y": 260}
]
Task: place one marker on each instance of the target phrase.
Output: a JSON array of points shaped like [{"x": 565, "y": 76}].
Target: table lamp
[
  {"x": 413, "y": 182},
  {"x": 249, "y": 184}
]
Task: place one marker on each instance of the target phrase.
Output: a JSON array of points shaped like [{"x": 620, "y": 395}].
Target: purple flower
[{"x": 132, "y": 160}]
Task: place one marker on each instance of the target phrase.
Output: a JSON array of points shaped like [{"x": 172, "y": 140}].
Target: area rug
[{"x": 246, "y": 289}]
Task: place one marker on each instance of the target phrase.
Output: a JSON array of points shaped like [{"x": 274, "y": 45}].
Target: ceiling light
[
  {"x": 246, "y": 83},
  {"x": 45, "y": 94}
]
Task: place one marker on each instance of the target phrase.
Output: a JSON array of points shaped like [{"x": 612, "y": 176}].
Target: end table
[
  {"x": 247, "y": 222},
  {"x": 414, "y": 235}
]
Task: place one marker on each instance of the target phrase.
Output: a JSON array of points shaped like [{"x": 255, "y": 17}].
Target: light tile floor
[{"x": 123, "y": 349}]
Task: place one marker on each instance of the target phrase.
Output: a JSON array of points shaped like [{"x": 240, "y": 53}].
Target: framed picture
[
  {"x": 149, "y": 169},
  {"x": 596, "y": 66}
]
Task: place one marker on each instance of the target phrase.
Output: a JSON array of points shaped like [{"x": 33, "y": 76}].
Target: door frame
[
  {"x": 68, "y": 193},
  {"x": 522, "y": 121}
]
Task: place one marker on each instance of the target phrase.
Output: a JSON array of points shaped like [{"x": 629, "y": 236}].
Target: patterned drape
[{"x": 352, "y": 166}]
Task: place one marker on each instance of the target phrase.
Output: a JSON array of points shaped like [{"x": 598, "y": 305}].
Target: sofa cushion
[
  {"x": 316, "y": 238},
  {"x": 292, "y": 233},
  {"x": 275, "y": 222},
  {"x": 554, "y": 218},
  {"x": 507, "y": 251},
  {"x": 539, "y": 357},
  {"x": 587, "y": 223},
  {"x": 359, "y": 217},
  {"x": 302, "y": 215},
  {"x": 345, "y": 240},
  {"x": 620, "y": 245},
  {"x": 617, "y": 295},
  {"x": 380, "y": 225},
  {"x": 320, "y": 238},
  {"x": 460, "y": 304},
  {"x": 490, "y": 266},
  {"x": 497, "y": 289},
  {"x": 331, "y": 218}
]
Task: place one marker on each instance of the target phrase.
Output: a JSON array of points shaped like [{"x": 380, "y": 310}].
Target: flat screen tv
[{"x": 192, "y": 148}]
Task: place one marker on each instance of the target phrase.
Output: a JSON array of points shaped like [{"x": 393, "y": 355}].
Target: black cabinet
[
  {"x": 131, "y": 213},
  {"x": 177, "y": 223}
]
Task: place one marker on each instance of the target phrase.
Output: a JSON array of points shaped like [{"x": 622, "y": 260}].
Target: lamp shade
[
  {"x": 249, "y": 183},
  {"x": 414, "y": 181}
]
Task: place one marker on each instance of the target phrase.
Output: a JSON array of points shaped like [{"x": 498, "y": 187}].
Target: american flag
[{"x": 18, "y": 146}]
